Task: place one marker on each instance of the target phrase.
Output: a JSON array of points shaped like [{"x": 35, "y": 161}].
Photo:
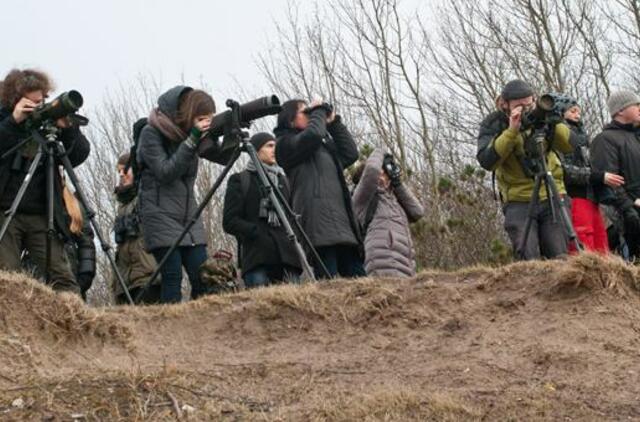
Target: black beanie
[
  {"x": 259, "y": 139},
  {"x": 516, "y": 89}
]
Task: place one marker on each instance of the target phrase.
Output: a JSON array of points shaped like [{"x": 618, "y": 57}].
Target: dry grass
[
  {"x": 62, "y": 315},
  {"x": 372, "y": 344},
  {"x": 593, "y": 272},
  {"x": 393, "y": 404}
]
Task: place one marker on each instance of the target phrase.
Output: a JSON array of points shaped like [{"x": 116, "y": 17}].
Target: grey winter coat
[
  {"x": 314, "y": 160},
  {"x": 388, "y": 246},
  {"x": 169, "y": 170}
]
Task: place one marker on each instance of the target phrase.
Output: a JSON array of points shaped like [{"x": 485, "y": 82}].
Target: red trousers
[{"x": 589, "y": 225}]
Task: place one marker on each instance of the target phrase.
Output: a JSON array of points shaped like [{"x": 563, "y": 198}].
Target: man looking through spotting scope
[
  {"x": 505, "y": 146},
  {"x": 21, "y": 93}
]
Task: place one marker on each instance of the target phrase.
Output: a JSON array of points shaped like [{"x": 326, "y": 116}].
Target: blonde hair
[{"x": 72, "y": 205}]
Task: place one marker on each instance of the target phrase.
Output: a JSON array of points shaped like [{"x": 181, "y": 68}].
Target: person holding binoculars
[
  {"x": 134, "y": 263},
  {"x": 385, "y": 207},
  {"x": 314, "y": 147}
]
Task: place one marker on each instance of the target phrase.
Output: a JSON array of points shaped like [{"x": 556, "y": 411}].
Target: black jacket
[
  {"x": 14, "y": 168},
  {"x": 259, "y": 243},
  {"x": 492, "y": 126},
  {"x": 617, "y": 150},
  {"x": 580, "y": 180},
  {"x": 314, "y": 160}
]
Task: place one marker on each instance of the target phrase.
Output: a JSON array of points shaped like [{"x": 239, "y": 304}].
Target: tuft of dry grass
[
  {"x": 62, "y": 315},
  {"x": 591, "y": 272},
  {"x": 393, "y": 404},
  {"x": 353, "y": 301}
]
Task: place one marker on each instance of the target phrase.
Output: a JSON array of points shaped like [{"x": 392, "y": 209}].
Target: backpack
[{"x": 133, "y": 163}]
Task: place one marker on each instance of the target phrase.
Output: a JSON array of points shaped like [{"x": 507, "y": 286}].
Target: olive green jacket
[{"x": 514, "y": 184}]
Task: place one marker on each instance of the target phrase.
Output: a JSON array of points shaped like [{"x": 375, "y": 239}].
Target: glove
[
  {"x": 392, "y": 170},
  {"x": 631, "y": 220},
  {"x": 194, "y": 138}
]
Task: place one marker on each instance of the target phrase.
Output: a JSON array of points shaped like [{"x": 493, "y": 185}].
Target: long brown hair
[
  {"x": 17, "y": 83},
  {"x": 72, "y": 205},
  {"x": 193, "y": 104}
]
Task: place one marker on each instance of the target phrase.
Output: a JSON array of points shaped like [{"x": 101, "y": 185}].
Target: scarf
[
  {"x": 166, "y": 126},
  {"x": 273, "y": 172},
  {"x": 125, "y": 194}
]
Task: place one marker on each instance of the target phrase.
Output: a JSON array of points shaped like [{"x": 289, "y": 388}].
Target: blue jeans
[
  {"x": 191, "y": 257},
  {"x": 266, "y": 274},
  {"x": 340, "y": 260}
]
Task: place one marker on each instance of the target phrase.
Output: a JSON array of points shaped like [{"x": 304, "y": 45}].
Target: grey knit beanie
[
  {"x": 259, "y": 139},
  {"x": 516, "y": 89},
  {"x": 620, "y": 100}
]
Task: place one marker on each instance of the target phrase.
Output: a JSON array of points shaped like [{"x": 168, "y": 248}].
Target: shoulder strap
[
  {"x": 371, "y": 211},
  {"x": 245, "y": 182}
]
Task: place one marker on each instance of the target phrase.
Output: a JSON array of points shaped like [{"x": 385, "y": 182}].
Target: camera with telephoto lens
[
  {"x": 126, "y": 227},
  {"x": 542, "y": 114},
  {"x": 536, "y": 126},
  {"x": 64, "y": 105}
]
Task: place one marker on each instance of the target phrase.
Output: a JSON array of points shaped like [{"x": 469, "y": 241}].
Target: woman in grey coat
[
  {"x": 168, "y": 157},
  {"x": 381, "y": 198}
]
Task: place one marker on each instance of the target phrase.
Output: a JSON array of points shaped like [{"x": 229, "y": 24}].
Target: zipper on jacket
[{"x": 186, "y": 210}]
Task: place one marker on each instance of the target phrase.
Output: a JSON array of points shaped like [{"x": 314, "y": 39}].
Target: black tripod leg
[
  {"x": 51, "y": 229},
  {"x": 23, "y": 188},
  {"x": 106, "y": 247},
  {"x": 564, "y": 214},
  {"x": 190, "y": 224},
  {"x": 269, "y": 187},
  {"x": 531, "y": 213}
]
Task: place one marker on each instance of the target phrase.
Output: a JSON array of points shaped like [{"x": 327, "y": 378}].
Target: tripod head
[
  {"x": 536, "y": 147},
  {"x": 233, "y": 129}
]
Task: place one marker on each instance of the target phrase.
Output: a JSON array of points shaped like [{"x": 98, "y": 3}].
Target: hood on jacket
[{"x": 169, "y": 101}]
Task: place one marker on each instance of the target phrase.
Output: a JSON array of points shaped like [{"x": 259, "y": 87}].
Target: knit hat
[
  {"x": 620, "y": 100},
  {"x": 124, "y": 159},
  {"x": 259, "y": 139},
  {"x": 516, "y": 89}
]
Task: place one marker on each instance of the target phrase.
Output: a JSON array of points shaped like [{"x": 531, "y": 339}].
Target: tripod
[
  {"x": 235, "y": 134},
  {"x": 49, "y": 147},
  {"x": 543, "y": 175}
]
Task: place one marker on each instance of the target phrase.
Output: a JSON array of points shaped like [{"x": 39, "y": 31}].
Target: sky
[{"x": 93, "y": 45}]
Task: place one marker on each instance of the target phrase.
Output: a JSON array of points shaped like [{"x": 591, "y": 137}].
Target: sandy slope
[{"x": 549, "y": 341}]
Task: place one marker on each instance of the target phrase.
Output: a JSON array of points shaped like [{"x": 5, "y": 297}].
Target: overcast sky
[{"x": 90, "y": 45}]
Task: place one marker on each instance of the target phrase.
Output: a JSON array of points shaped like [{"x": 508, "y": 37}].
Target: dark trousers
[
  {"x": 546, "y": 237},
  {"x": 189, "y": 257},
  {"x": 341, "y": 261},
  {"x": 29, "y": 232},
  {"x": 268, "y": 274},
  {"x": 632, "y": 239}
]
